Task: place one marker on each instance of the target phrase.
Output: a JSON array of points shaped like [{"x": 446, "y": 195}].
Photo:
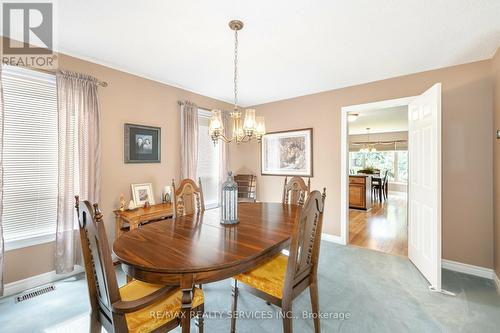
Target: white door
[{"x": 424, "y": 195}]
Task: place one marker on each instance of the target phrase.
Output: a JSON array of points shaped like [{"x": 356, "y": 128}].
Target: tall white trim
[
  {"x": 456, "y": 266},
  {"x": 344, "y": 154},
  {"x": 36, "y": 281},
  {"x": 332, "y": 238}
]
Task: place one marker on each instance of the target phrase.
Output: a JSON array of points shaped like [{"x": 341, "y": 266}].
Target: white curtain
[
  {"x": 79, "y": 155},
  {"x": 189, "y": 140},
  {"x": 1, "y": 186},
  {"x": 224, "y": 152}
]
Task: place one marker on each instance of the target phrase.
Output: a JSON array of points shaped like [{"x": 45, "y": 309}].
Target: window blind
[
  {"x": 208, "y": 161},
  {"x": 30, "y": 153}
]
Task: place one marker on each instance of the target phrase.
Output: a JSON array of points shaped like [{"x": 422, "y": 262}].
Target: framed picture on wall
[
  {"x": 142, "y": 193},
  {"x": 142, "y": 144},
  {"x": 287, "y": 153}
]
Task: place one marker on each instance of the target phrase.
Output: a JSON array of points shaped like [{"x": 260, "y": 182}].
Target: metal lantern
[{"x": 229, "y": 201}]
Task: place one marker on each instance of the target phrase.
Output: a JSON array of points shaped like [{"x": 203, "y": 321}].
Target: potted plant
[{"x": 369, "y": 170}]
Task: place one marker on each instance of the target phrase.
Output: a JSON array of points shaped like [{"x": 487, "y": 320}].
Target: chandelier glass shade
[
  {"x": 245, "y": 129},
  {"x": 368, "y": 147}
]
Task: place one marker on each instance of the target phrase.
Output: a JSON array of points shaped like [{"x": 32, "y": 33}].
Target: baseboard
[
  {"x": 483, "y": 272},
  {"x": 332, "y": 238},
  {"x": 36, "y": 281},
  {"x": 497, "y": 281}
]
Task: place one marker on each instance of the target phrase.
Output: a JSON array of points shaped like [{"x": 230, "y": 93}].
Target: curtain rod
[
  {"x": 378, "y": 142},
  {"x": 103, "y": 84},
  {"x": 200, "y": 107}
]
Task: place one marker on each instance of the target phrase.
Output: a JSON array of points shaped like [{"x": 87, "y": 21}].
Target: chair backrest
[
  {"x": 295, "y": 190},
  {"x": 247, "y": 187},
  {"x": 101, "y": 277},
  {"x": 305, "y": 240},
  {"x": 385, "y": 180},
  {"x": 188, "y": 197}
]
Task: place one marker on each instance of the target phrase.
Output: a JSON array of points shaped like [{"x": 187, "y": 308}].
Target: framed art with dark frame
[
  {"x": 142, "y": 144},
  {"x": 287, "y": 153}
]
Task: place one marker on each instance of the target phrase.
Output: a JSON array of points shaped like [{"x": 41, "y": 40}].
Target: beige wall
[
  {"x": 467, "y": 159},
  {"x": 131, "y": 99},
  {"x": 496, "y": 172}
]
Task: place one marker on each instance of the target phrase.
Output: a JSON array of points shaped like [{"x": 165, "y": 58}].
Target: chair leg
[
  {"x": 313, "y": 291},
  {"x": 95, "y": 324},
  {"x": 201, "y": 319},
  {"x": 234, "y": 306},
  {"x": 286, "y": 312}
]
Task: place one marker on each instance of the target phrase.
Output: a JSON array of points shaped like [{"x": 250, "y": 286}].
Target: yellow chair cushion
[
  {"x": 268, "y": 277},
  {"x": 156, "y": 314}
]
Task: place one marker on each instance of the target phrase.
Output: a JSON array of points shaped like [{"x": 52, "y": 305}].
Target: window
[
  {"x": 208, "y": 161},
  {"x": 402, "y": 166},
  {"x": 395, "y": 161},
  {"x": 30, "y": 154}
]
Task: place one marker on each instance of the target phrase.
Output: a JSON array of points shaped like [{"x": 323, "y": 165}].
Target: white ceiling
[
  {"x": 287, "y": 47},
  {"x": 394, "y": 119}
]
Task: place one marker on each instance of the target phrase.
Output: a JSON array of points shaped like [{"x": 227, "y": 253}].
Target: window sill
[
  {"x": 211, "y": 205},
  {"x": 26, "y": 242}
]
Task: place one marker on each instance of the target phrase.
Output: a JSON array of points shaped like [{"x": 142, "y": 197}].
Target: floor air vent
[{"x": 35, "y": 292}]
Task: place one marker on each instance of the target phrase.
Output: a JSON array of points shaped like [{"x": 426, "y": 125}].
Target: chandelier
[
  {"x": 368, "y": 147},
  {"x": 244, "y": 129}
]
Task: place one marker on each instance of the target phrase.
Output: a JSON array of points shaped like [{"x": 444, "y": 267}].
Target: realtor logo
[{"x": 30, "y": 31}]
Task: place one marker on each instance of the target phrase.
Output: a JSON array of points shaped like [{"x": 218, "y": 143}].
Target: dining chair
[
  {"x": 376, "y": 186},
  {"x": 295, "y": 191},
  {"x": 247, "y": 187},
  {"x": 283, "y": 278},
  {"x": 188, "y": 198},
  {"x": 385, "y": 185},
  {"x": 379, "y": 186},
  {"x": 137, "y": 306}
]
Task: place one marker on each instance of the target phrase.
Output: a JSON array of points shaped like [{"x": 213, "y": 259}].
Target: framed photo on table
[
  {"x": 142, "y": 193},
  {"x": 142, "y": 144},
  {"x": 287, "y": 153}
]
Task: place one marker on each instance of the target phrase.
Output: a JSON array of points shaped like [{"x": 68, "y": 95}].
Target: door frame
[{"x": 344, "y": 156}]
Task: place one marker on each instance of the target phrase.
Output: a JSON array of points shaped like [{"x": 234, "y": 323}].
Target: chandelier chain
[
  {"x": 244, "y": 129},
  {"x": 236, "y": 71}
]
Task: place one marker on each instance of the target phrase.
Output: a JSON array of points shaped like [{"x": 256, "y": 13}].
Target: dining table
[{"x": 196, "y": 249}]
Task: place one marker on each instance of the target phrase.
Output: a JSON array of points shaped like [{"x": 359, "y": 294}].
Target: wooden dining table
[{"x": 197, "y": 249}]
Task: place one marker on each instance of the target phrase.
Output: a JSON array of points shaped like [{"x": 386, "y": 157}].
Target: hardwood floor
[{"x": 383, "y": 228}]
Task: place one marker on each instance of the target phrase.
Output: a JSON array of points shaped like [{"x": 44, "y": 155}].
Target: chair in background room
[
  {"x": 247, "y": 187},
  {"x": 295, "y": 190},
  {"x": 188, "y": 198},
  {"x": 128, "y": 308},
  {"x": 380, "y": 186},
  {"x": 283, "y": 278},
  {"x": 385, "y": 185}
]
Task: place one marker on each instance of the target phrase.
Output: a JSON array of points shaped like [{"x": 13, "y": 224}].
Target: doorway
[
  {"x": 423, "y": 200},
  {"x": 378, "y": 179}
]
